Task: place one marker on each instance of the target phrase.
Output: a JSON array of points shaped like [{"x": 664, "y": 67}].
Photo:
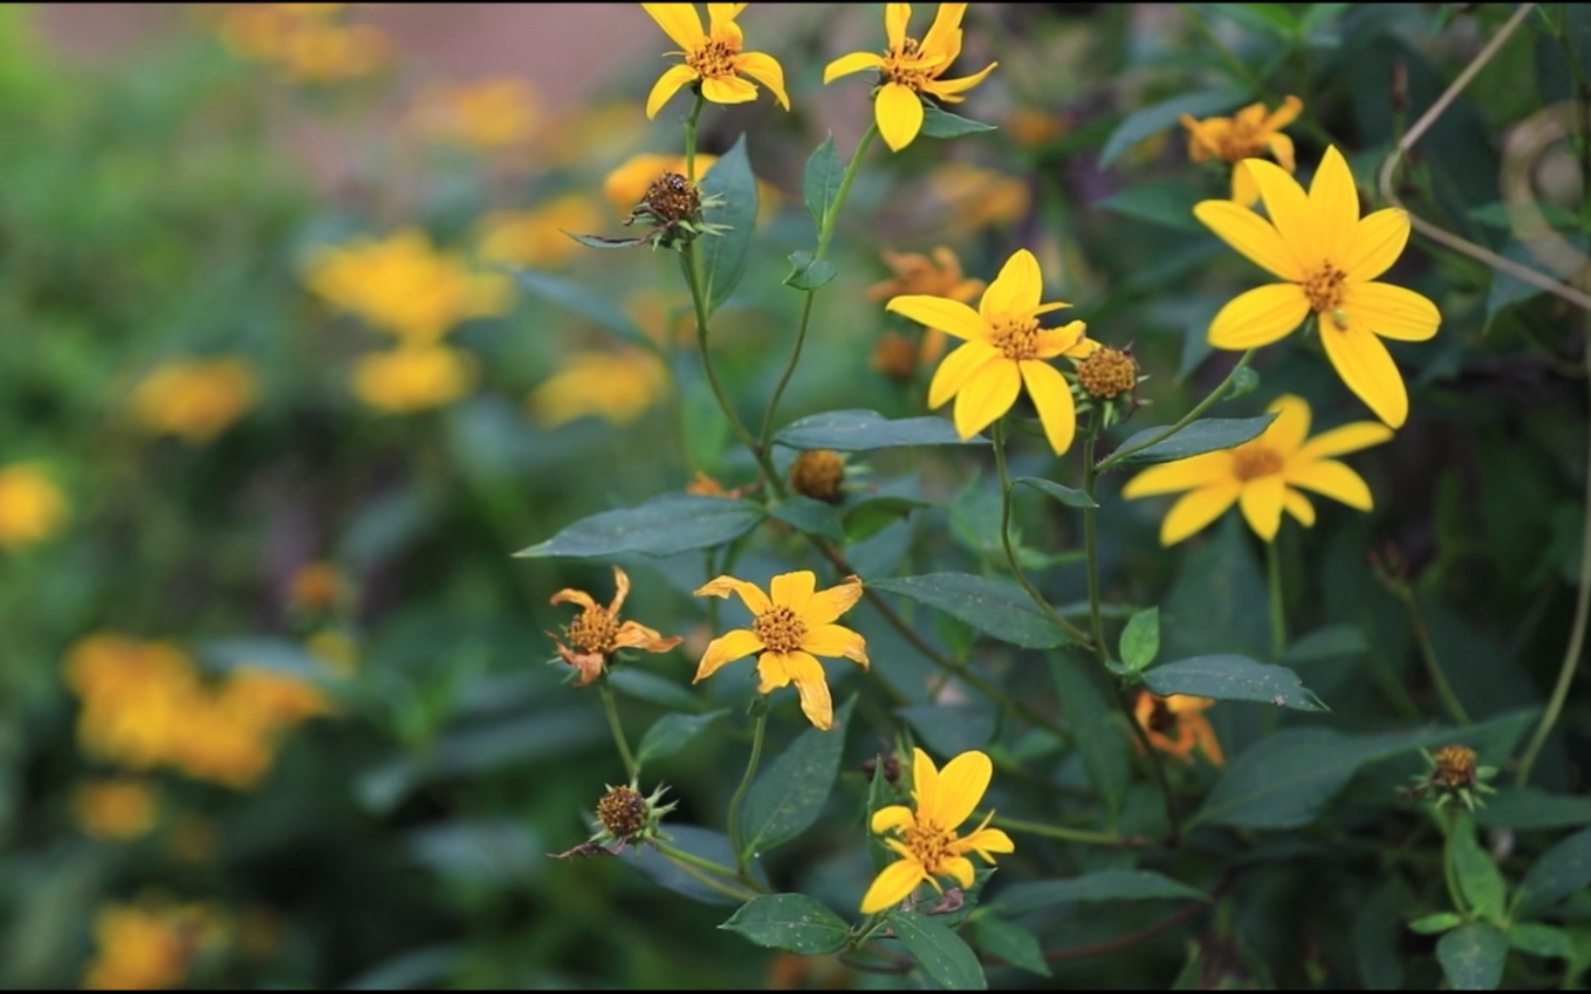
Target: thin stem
[
  {"x": 1433, "y": 665},
  {"x": 1184, "y": 421},
  {"x": 690, "y": 137},
  {"x": 722, "y": 878},
  {"x": 1078, "y": 835},
  {"x": 631, "y": 767},
  {"x": 1273, "y": 574},
  {"x": 757, "y": 733}
]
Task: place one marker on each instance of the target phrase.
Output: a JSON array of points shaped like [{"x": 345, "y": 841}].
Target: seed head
[
  {"x": 818, "y": 473},
  {"x": 1108, "y": 373},
  {"x": 622, "y": 811}
]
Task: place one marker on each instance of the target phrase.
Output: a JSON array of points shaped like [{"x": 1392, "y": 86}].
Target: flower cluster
[
  {"x": 195, "y": 399},
  {"x": 150, "y": 945}
]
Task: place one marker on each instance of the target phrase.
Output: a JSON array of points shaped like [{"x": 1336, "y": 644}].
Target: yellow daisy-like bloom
[
  {"x": 713, "y": 57},
  {"x": 928, "y": 844},
  {"x": 196, "y": 400},
  {"x": 538, "y": 237},
  {"x": 619, "y": 386},
  {"x": 1182, "y": 716},
  {"x": 1329, "y": 258},
  {"x": 597, "y": 633},
  {"x": 1260, "y": 475},
  {"x": 32, "y": 507},
  {"x": 1249, "y": 133},
  {"x": 413, "y": 378},
  {"x": 939, "y": 276},
  {"x": 1005, "y": 348},
  {"x": 910, "y": 69},
  {"x": 793, "y": 623}
]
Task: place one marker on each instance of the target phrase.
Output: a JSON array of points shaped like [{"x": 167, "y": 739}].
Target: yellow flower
[
  {"x": 413, "y": 378},
  {"x": 135, "y": 697},
  {"x": 116, "y": 809},
  {"x": 1329, "y": 258},
  {"x": 596, "y": 633},
  {"x": 148, "y": 946},
  {"x": 487, "y": 114},
  {"x": 713, "y": 57},
  {"x": 319, "y": 53},
  {"x": 1004, "y": 348},
  {"x": 619, "y": 386},
  {"x": 940, "y": 276},
  {"x": 910, "y": 70},
  {"x": 196, "y": 400},
  {"x": 1182, "y": 715},
  {"x": 32, "y": 507},
  {"x": 977, "y": 198},
  {"x": 1249, "y": 133},
  {"x": 1260, "y": 475},
  {"x": 538, "y": 237},
  {"x": 929, "y": 845},
  {"x": 628, "y": 182},
  {"x": 793, "y": 621}
]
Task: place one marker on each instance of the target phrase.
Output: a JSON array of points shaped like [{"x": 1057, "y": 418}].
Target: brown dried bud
[
  {"x": 818, "y": 473},
  {"x": 1108, "y": 372},
  {"x": 671, "y": 199},
  {"x": 1455, "y": 767},
  {"x": 622, "y": 811}
]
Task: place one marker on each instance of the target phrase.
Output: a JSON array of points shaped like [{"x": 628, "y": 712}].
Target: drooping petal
[
  {"x": 891, "y": 818},
  {"x": 1391, "y": 311},
  {"x": 1253, "y": 236},
  {"x": 1367, "y": 368},
  {"x": 1051, "y": 342},
  {"x": 669, "y": 83},
  {"x": 621, "y": 589},
  {"x": 1244, "y": 190},
  {"x": 847, "y": 64},
  {"x": 1299, "y": 507},
  {"x": 763, "y": 68},
  {"x": 961, "y": 868},
  {"x": 590, "y": 664},
  {"x": 1196, "y": 509},
  {"x": 958, "y": 367},
  {"x": 962, "y": 784},
  {"x": 826, "y": 605},
  {"x": 634, "y": 635},
  {"x": 570, "y": 595},
  {"x": 750, "y": 594},
  {"x": 1281, "y": 148},
  {"x": 899, "y": 113},
  {"x": 1348, "y": 438},
  {"x": 1183, "y": 474},
  {"x": 896, "y": 881},
  {"x": 944, "y": 37},
  {"x": 925, "y": 783},
  {"x": 793, "y": 590},
  {"x": 986, "y": 397},
  {"x": 896, "y": 16},
  {"x": 835, "y": 640},
  {"x": 1291, "y": 426},
  {"x": 1335, "y": 200},
  {"x": 680, "y": 22},
  {"x": 728, "y": 90},
  {"x": 1204, "y": 736},
  {"x": 807, "y": 673},
  {"x": 985, "y": 841},
  {"x": 1286, "y": 114},
  {"x": 950, "y": 90},
  {"x": 1259, "y": 316},
  {"x": 1262, "y": 504},
  {"x": 1289, "y": 210},
  {"x": 1016, "y": 290},
  {"x": 1334, "y": 480},
  {"x": 948, "y": 315},
  {"x": 732, "y": 645},
  {"x": 1378, "y": 239},
  {"x": 1052, "y": 396}
]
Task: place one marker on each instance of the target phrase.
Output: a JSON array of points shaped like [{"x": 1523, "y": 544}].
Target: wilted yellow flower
[
  {"x": 1260, "y": 475},
  {"x": 977, "y": 198},
  {"x": 619, "y": 386},
  {"x": 1249, "y": 133},
  {"x": 195, "y": 399},
  {"x": 487, "y": 114},
  {"x": 538, "y": 237},
  {"x": 116, "y": 809},
  {"x": 413, "y": 378},
  {"x": 148, "y": 946},
  {"x": 713, "y": 58},
  {"x": 597, "y": 633},
  {"x": 925, "y": 835},
  {"x": 1177, "y": 725},
  {"x": 939, "y": 276},
  {"x": 32, "y": 507},
  {"x": 628, "y": 182},
  {"x": 910, "y": 70}
]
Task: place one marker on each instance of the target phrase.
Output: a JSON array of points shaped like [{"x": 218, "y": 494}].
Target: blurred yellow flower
[
  {"x": 940, "y": 276},
  {"x": 317, "y": 586},
  {"x": 596, "y": 634},
  {"x": 32, "y": 507},
  {"x": 1260, "y": 475},
  {"x": 976, "y": 197},
  {"x": 413, "y": 378},
  {"x": 619, "y": 386},
  {"x": 487, "y": 114},
  {"x": 195, "y": 399},
  {"x": 713, "y": 58},
  {"x": 1031, "y": 128},
  {"x": 539, "y": 237},
  {"x": 1249, "y": 133},
  {"x": 1177, "y": 725},
  {"x": 910, "y": 70},
  {"x": 116, "y": 809},
  {"x": 402, "y": 285},
  {"x": 306, "y": 42},
  {"x": 628, "y": 182},
  {"x": 148, "y": 946}
]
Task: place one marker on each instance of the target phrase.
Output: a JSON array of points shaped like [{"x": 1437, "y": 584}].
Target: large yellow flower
[
  {"x": 714, "y": 57},
  {"x": 928, "y": 844},
  {"x": 910, "y": 70},
  {"x": 1248, "y": 133},
  {"x": 793, "y": 620},
  {"x": 1260, "y": 475},
  {"x": 1329, "y": 258},
  {"x": 1005, "y": 348}
]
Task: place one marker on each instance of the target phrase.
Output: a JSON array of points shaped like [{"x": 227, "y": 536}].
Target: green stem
[
  {"x": 1449, "y": 874},
  {"x": 1273, "y": 575},
  {"x": 757, "y": 733},
  {"x": 1116, "y": 457},
  {"x": 1078, "y": 835},
  {"x": 690, "y": 137},
  {"x": 693, "y": 865},
  {"x": 631, "y": 767},
  {"x": 1433, "y": 665}
]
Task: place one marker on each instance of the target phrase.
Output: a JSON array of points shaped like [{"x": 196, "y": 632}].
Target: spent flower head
[
  {"x": 1176, "y": 725},
  {"x": 1453, "y": 775},
  {"x": 819, "y": 474},
  {"x": 714, "y": 60},
  {"x": 596, "y": 633},
  {"x": 1249, "y": 133}
]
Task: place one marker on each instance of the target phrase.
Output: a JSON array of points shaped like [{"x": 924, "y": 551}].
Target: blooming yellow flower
[
  {"x": 1260, "y": 475},
  {"x": 714, "y": 57},
  {"x": 1004, "y": 348},
  {"x": 1182, "y": 716},
  {"x": 32, "y": 507},
  {"x": 413, "y": 378},
  {"x": 486, "y": 114},
  {"x": 597, "y": 633},
  {"x": 939, "y": 276},
  {"x": 148, "y": 946},
  {"x": 791, "y": 622},
  {"x": 195, "y": 399},
  {"x": 910, "y": 70},
  {"x": 538, "y": 237},
  {"x": 928, "y": 844},
  {"x": 1329, "y": 258},
  {"x": 116, "y": 809},
  {"x": 1249, "y": 133},
  {"x": 619, "y": 386}
]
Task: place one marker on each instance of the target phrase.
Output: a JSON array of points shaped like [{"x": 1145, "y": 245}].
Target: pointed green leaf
[
  {"x": 1541, "y": 940},
  {"x": 1140, "y": 640},
  {"x": 788, "y": 797},
  {"x": 1432, "y": 924},
  {"x": 941, "y": 953},
  {"x": 859, "y": 430},
  {"x": 671, "y": 733},
  {"x": 1532, "y": 807},
  {"x": 1230, "y": 677},
  {"x": 793, "y": 922},
  {"x": 941, "y": 123},
  {"x": 1166, "y": 204},
  {"x": 1557, "y": 873},
  {"x": 994, "y": 607},
  {"x": 1478, "y": 878},
  {"x": 724, "y": 255},
  {"x": 1102, "y": 885},
  {"x": 1012, "y": 943},
  {"x": 1101, "y": 735},
  {"x": 807, "y": 273},
  {"x": 811, "y": 516},
  {"x": 700, "y": 842},
  {"x": 1472, "y": 956},
  {"x": 820, "y": 183},
  {"x": 1207, "y": 435},
  {"x": 663, "y": 526},
  {"x": 1070, "y": 496}
]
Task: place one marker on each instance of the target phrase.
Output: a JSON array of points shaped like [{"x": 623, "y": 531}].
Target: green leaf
[
  {"x": 1228, "y": 677},
  {"x": 1441, "y": 921},
  {"x": 859, "y": 430},
  {"x": 941, "y": 123},
  {"x": 1102, "y": 738},
  {"x": 1541, "y": 940},
  {"x": 596, "y": 307},
  {"x": 941, "y": 953},
  {"x": 652, "y": 689},
  {"x": 1012, "y": 943},
  {"x": 793, "y": 922},
  {"x": 671, "y": 733},
  {"x": 1478, "y": 878},
  {"x": 820, "y": 183},
  {"x": 1137, "y": 126},
  {"x": 1069, "y": 496},
  {"x": 871, "y": 515},
  {"x": 1140, "y": 640},
  {"x": 1378, "y": 935},
  {"x": 809, "y": 273},
  {"x": 950, "y": 729},
  {"x": 788, "y": 797},
  {"x": 1271, "y": 19},
  {"x": 663, "y": 526},
  {"x": 1207, "y": 435},
  {"x": 994, "y": 607},
  {"x": 603, "y": 242},
  {"x": 724, "y": 256},
  {"x": 880, "y": 794},
  {"x": 1103, "y": 885},
  {"x": 1318, "y": 16},
  {"x": 1557, "y": 873},
  {"x": 1532, "y": 807},
  {"x": 814, "y": 517},
  {"x": 1472, "y": 956},
  {"x": 1331, "y": 642},
  {"x": 666, "y": 873},
  {"x": 1166, "y": 204}
]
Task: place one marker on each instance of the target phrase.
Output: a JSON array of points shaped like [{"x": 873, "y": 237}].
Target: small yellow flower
[
  {"x": 196, "y": 400},
  {"x": 116, "y": 809},
  {"x": 1260, "y": 475},
  {"x": 413, "y": 378},
  {"x": 713, "y": 58},
  {"x": 1249, "y": 133},
  {"x": 1182, "y": 716},
  {"x": 538, "y": 237},
  {"x": 619, "y": 386},
  {"x": 792, "y": 622},
  {"x": 487, "y": 114},
  {"x": 32, "y": 507},
  {"x": 1004, "y": 348},
  {"x": 1329, "y": 258},
  {"x": 597, "y": 633},
  {"x": 976, "y": 198},
  {"x": 910, "y": 70},
  {"x": 148, "y": 946},
  {"x": 939, "y": 276},
  {"x": 928, "y": 843}
]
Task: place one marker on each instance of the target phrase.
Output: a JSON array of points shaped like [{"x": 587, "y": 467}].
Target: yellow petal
[
  {"x": 1378, "y": 239},
  {"x": 847, "y": 64},
  {"x": 728, "y": 90},
  {"x": 680, "y": 22},
  {"x": 896, "y": 881},
  {"x": 1367, "y": 368},
  {"x": 985, "y": 841},
  {"x": 1289, "y": 210},
  {"x": 1197, "y": 509},
  {"x": 826, "y": 605},
  {"x": 1286, "y": 114},
  {"x": 891, "y": 818},
  {"x": 1184, "y": 474},
  {"x": 1299, "y": 507},
  {"x": 766, "y": 70},
  {"x": 835, "y": 640},
  {"x": 755, "y": 600},
  {"x": 634, "y": 635},
  {"x": 1334, "y": 480},
  {"x": 1064, "y": 340},
  {"x": 1262, "y": 504},
  {"x": 621, "y": 589},
  {"x": 1053, "y": 397},
  {"x": 807, "y": 673},
  {"x": 1335, "y": 202},
  {"x": 899, "y": 113},
  {"x": 961, "y": 868},
  {"x": 950, "y": 89},
  {"x": 1291, "y": 426},
  {"x": 575, "y": 596},
  {"x": 793, "y": 590},
  {"x": 1348, "y": 438},
  {"x": 732, "y": 645},
  {"x": 1253, "y": 236},
  {"x": 987, "y": 396},
  {"x": 962, "y": 784},
  {"x": 896, "y": 16},
  {"x": 1391, "y": 311},
  {"x": 944, "y": 37},
  {"x": 1259, "y": 316},
  {"x": 958, "y": 367},
  {"x": 721, "y": 18},
  {"x": 948, "y": 315},
  {"x": 1244, "y": 190},
  {"x": 669, "y": 83},
  {"x": 1016, "y": 291},
  {"x": 1281, "y": 148},
  {"x": 925, "y": 782}
]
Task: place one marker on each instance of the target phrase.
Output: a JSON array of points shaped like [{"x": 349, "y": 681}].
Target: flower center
[
  {"x": 931, "y": 845},
  {"x": 1250, "y": 462},
  {"x": 1016, "y": 338},
  {"x": 1324, "y": 288},
  {"x": 593, "y": 631},
  {"x": 903, "y": 66},
  {"x": 714, "y": 60},
  {"x": 1241, "y": 141},
  {"x": 1108, "y": 372},
  {"x": 779, "y": 629}
]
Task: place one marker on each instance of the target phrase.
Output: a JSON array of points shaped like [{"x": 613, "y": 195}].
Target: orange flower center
[
  {"x": 931, "y": 845},
  {"x": 593, "y": 631},
  {"x": 1324, "y": 288},
  {"x": 1016, "y": 338},
  {"x": 904, "y": 67},
  {"x": 1250, "y": 462},
  {"x": 714, "y": 60},
  {"x": 1241, "y": 140},
  {"x": 779, "y": 629}
]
